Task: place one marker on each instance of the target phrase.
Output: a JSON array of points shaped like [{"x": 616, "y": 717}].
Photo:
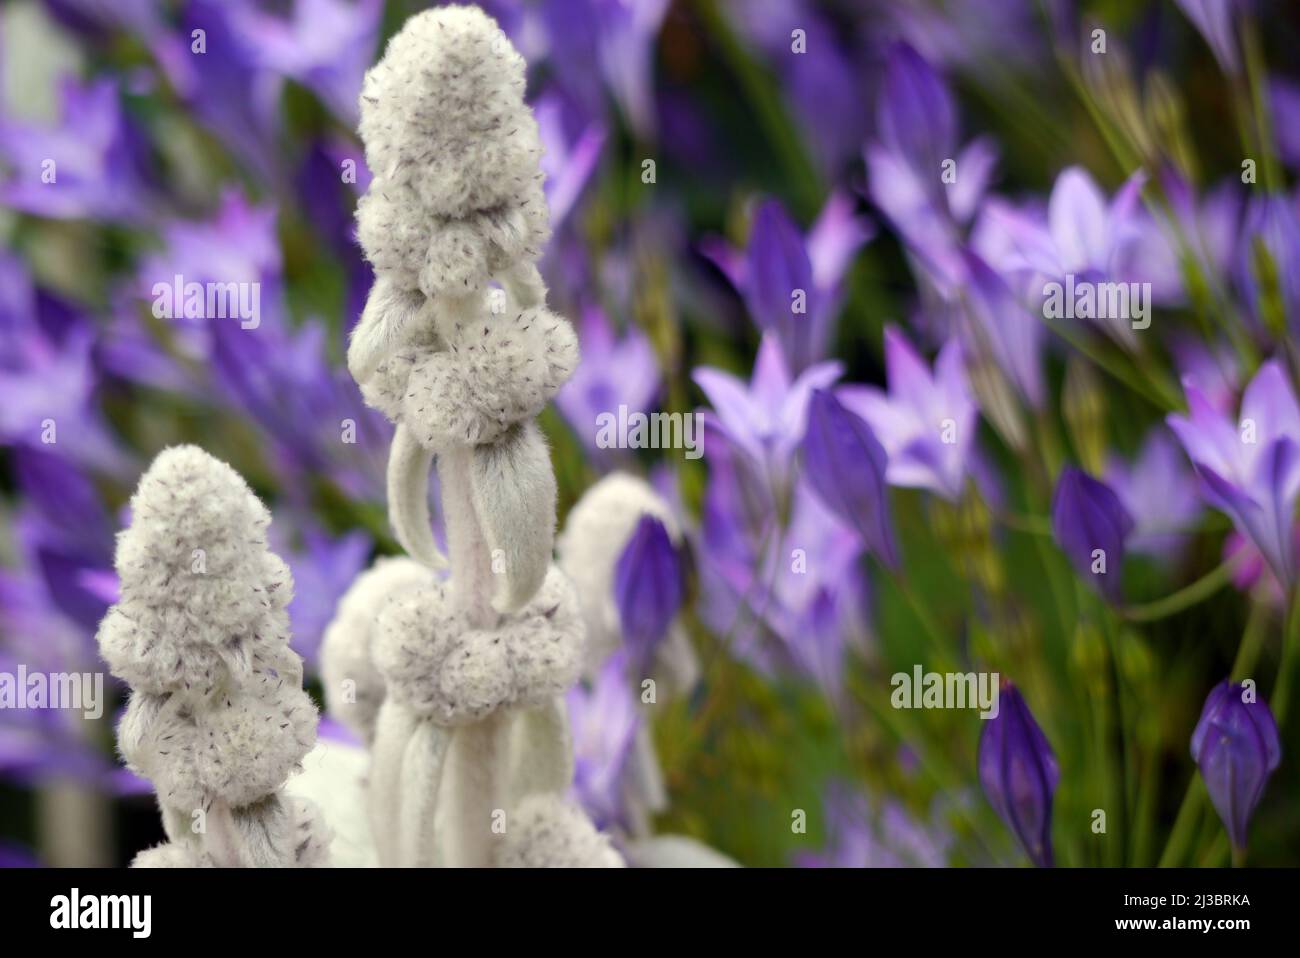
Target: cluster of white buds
[
  {"x": 218, "y": 718},
  {"x": 457, "y": 681}
]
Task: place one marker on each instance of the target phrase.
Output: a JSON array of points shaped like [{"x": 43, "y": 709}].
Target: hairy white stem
[
  {"x": 473, "y": 796},
  {"x": 221, "y": 839},
  {"x": 422, "y": 771},
  {"x": 541, "y": 751},
  {"x": 408, "y": 498},
  {"x": 394, "y": 728}
]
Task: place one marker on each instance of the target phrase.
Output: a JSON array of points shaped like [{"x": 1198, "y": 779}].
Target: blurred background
[{"x": 703, "y": 158}]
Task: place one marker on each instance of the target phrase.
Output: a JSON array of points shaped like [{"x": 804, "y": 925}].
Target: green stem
[
  {"x": 1290, "y": 640},
  {"x": 1184, "y": 831},
  {"x": 1184, "y": 598}
]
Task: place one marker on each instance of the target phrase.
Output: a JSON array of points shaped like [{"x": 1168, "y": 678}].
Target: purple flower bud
[
  {"x": 915, "y": 113},
  {"x": 1237, "y": 748},
  {"x": 648, "y": 589},
  {"x": 1019, "y": 773},
  {"x": 845, "y": 465},
  {"x": 1091, "y": 524}
]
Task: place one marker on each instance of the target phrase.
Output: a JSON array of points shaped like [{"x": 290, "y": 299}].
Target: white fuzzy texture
[
  {"x": 596, "y": 532},
  {"x": 275, "y": 833},
  {"x": 347, "y": 649},
  {"x": 217, "y": 719},
  {"x": 203, "y": 600},
  {"x": 334, "y": 780},
  {"x": 547, "y": 831},
  {"x": 512, "y": 487},
  {"x": 408, "y": 499},
  {"x": 454, "y": 152},
  {"x": 496, "y": 372},
  {"x": 438, "y": 666}
]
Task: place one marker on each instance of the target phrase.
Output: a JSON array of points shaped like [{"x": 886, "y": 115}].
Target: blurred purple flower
[
  {"x": 87, "y": 165},
  {"x": 996, "y": 324},
  {"x": 323, "y": 567},
  {"x": 1237, "y": 747},
  {"x": 1251, "y": 473},
  {"x": 1019, "y": 774},
  {"x": 1251, "y": 573},
  {"x": 612, "y": 372},
  {"x": 47, "y": 375},
  {"x": 326, "y": 45},
  {"x": 223, "y": 84},
  {"x": 791, "y": 592},
  {"x": 604, "y": 722},
  {"x": 790, "y": 283},
  {"x": 1211, "y": 369},
  {"x": 649, "y": 588},
  {"x": 1158, "y": 492},
  {"x": 926, "y": 422},
  {"x": 568, "y": 159},
  {"x": 311, "y": 410},
  {"x": 618, "y": 37},
  {"x": 1091, "y": 526},
  {"x": 1214, "y": 19},
  {"x": 865, "y": 833},
  {"x": 767, "y": 418},
  {"x": 845, "y": 465},
  {"x": 1271, "y": 226},
  {"x": 907, "y": 172},
  {"x": 1284, "y": 100},
  {"x": 821, "y": 83},
  {"x": 13, "y": 855}
]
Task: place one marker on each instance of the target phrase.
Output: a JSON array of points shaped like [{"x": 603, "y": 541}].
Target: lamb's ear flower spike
[
  {"x": 1019, "y": 774},
  {"x": 1237, "y": 747},
  {"x": 473, "y": 668},
  {"x": 1091, "y": 525},
  {"x": 217, "y": 718}
]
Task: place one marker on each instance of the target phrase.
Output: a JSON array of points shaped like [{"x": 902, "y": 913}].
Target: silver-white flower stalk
[
  {"x": 597, "y": 531},
  {"x": 458, "y": 349},
  {"x": 217, "y": 718}
]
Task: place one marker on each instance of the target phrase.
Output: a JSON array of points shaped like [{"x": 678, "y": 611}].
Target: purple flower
[
  {"x": 649, "y": 589},
  {"x": 604, "y": 722},
  {"x": 794, "y": 597},
  {"x": 1271, "y": 227},
  {"x": 821, "y": 85},
  {"x": 1284, "y": 99},
  {"x": 790, "y": 283},
  {"x": 569, "y": 158},
  {"x": 863, "y": 832},
  {"x": 1237, "y": 747},
  {"x": 618, "y": 38},
  {"x": 1214, "y": 19},
  {"x": 766, "y": 419},
  {"x": 326, "y": 45},
  {"x": 908, "y": 169},
  {"x": 612, "y": 372},
  {"x": 1159, "y": 492},
  {"x": 1091, "y": 526},
  {"x": 323, "y": 567},
  {"x": 1019, "y": 774},
  {"x": 223, "y": 84},
  {"x": 86, "y": 166},
  {"x": 996, "y": 324},
  {"x": 926, "y": 422},
  {"x": 1250, "y": 471},
  {"x": 845, "y": 465}
]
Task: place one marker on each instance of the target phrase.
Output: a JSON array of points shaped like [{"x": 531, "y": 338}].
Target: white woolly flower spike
[
  {"x": 474, "y": 668},
  {"x": 217, "y": 718},
  {"x": 455, "y": 202}
]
